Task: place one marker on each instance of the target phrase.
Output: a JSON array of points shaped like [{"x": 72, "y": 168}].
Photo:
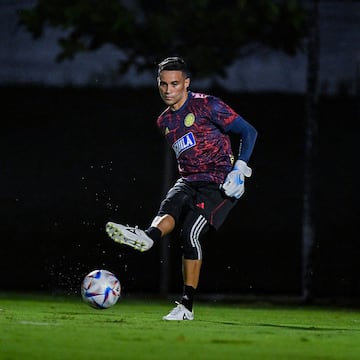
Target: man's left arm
[{"x": 234, "y": 184}]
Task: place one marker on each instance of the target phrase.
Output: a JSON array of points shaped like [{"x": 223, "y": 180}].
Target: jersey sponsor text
[{"x": 185, "y": 142}]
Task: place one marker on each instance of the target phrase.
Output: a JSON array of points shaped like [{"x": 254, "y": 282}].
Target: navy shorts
[{"x": 197, "y": 207}]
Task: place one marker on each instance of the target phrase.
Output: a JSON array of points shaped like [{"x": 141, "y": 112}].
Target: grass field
[{"x": 50, "y": 327}]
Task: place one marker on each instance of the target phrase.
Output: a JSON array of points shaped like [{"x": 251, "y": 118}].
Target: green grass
[{"x": 45, "y": 327}]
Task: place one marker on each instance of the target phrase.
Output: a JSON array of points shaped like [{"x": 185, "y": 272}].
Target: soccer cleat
[
  {"x": 180, "y": 312},
  {"x": 132, "y": 236}
]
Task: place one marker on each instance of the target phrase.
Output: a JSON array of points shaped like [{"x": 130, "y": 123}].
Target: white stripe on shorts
[{"x": 195, "y": 234}]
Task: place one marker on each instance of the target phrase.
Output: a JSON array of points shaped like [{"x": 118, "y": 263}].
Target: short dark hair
[{"x": 174, "y": 63}]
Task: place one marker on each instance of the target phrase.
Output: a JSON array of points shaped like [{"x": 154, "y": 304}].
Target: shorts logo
[
  {"x": 189, "y": 119},
  {"x": 185, "y": 142}
]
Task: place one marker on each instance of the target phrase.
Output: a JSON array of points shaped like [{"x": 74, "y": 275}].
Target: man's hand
[{"x": 234, "y": 184}]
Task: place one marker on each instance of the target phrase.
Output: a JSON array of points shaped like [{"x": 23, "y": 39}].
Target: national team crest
[{"x": 189, "y": 119}]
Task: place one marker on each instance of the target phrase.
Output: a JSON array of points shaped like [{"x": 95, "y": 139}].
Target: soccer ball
[{"x": 100, "y": 289}]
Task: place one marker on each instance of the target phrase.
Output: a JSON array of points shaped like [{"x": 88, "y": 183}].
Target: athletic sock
[
  {"x": 188, "y": 297},
  {"x": 153, "y": 233}
]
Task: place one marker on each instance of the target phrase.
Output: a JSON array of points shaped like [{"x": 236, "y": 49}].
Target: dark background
[{"x": 74, "y": 158}]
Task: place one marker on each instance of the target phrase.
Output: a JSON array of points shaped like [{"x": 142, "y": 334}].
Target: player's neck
[{"x": 180, "y": 103}]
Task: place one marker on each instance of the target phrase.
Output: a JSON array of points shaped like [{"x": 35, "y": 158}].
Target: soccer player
[{"x": 197, "y": 127}]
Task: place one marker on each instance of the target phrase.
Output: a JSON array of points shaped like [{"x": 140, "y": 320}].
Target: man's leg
[
  {"x": 165, "y": 223},
  {"x": 191, "y": 272},
  {"x": 194, "y": 226},
  {"x": 191, "y": 275}
]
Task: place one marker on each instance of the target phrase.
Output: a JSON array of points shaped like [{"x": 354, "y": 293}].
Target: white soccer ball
[{"x": 101, "y": 289}]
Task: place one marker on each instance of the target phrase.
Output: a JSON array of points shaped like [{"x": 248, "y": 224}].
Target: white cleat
[
  {"x": 180, "y": 312},
  {"x": 132, "y": 236}
]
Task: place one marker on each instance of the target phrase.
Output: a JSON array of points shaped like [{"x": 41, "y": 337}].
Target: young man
[{"x": 196, "y": 126}]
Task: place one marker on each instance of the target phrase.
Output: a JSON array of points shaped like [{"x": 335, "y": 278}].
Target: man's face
[{"x": 173, "y": 87}]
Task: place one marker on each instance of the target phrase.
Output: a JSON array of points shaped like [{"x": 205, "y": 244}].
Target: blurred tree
[{"x": 210, "y": 34}]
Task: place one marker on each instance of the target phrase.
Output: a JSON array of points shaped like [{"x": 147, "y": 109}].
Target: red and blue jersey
[{"x": 197, "y": 134}]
